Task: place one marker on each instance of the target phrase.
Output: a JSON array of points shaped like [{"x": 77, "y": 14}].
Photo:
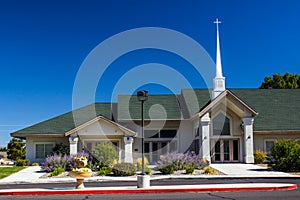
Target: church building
[{"x": 219, "y": 124}]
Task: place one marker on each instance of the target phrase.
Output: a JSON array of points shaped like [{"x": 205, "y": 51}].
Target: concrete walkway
[
  {"x": 33, "y": 174},
  {"x": 247, "y": 170},
  {"x": 238, "y": 170}
]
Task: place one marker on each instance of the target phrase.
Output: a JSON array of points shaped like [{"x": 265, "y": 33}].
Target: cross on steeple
[{"x": 217, "y": 22}]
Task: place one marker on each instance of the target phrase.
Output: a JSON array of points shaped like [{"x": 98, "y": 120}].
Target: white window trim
[
  {"x": 265, "y": 143},
  {"x": 230, "y": 125},
  {"x": 35, "y": 143}
]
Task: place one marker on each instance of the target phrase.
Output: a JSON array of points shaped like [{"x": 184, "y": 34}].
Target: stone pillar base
[{"x": 143, "y": 181}]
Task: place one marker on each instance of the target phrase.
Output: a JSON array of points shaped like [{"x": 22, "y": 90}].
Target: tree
[
  {"x": 286, "y": 81},
  {"x": 3, "y": 149},
  {"x": 16, "y": 149}
]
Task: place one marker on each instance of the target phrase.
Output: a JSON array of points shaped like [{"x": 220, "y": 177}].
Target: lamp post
[{"x": 143, "y": 180}]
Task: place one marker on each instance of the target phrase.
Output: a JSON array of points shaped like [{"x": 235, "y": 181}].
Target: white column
[
  {"x": 205, "y": 147},
  {"x": 128, "y": 149},
  {"x": 248, "y": 139},
  {"x": 73, "y": 140}
]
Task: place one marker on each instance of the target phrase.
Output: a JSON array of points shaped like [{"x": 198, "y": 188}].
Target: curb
[{"x": 154, "y": 189}]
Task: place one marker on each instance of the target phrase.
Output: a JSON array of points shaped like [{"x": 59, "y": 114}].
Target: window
[
  {"x": 221, "y": 125},
  {"x": 168, "y": 133},
  {"x": 43, "y": 150},
  {"x": 269, "y": 144}
]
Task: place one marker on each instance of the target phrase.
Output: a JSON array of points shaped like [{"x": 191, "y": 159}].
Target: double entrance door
[{"x": 225, "y": 150}]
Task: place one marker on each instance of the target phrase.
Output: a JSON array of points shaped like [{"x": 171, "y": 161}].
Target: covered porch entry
[
  {"x": 89, "y": 135},
  {"x": 226, "y": 130}
]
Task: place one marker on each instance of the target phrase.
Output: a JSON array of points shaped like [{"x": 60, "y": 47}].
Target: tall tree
[
  {"x": 277, "y": 81},
  {"x": 16, "y": 149}
]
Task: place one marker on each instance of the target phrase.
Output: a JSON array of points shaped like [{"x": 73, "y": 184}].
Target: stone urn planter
[{"x": 80, "y": 172}]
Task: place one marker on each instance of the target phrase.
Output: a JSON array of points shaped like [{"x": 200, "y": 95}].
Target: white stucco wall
[
  {"x": 31, "y": 141},
  {"x": 259, "y": 138},
  {"x": 186, "y": 135}
]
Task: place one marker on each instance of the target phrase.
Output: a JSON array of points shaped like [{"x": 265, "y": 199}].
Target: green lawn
[{"x": 6, "y": 171}]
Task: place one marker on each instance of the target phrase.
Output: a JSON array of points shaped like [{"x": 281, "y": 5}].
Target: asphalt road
[{"x": 286, "y": 195}]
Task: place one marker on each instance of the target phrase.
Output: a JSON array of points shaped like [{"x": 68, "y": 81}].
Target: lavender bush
[
  {"x": 195, "y": 160},
  {"x": 65, "y": 162},
  {"x": 180, "y": 161},
  {"x": 55, "y": 161}
]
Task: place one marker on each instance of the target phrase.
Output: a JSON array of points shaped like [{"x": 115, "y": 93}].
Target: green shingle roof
[
  {"x": 158, "y": 106},
  {"x": 65, "y": 122},
  {"x": 203, "y": 98},
  {"x": 278, "y": 109}
]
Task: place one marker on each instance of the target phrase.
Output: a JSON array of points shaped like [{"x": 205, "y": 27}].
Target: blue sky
[{"x": 43, "y": 44}]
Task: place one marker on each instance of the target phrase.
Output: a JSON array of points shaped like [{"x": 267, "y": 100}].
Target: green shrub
[
  {"x": 106, "y": 154},
  {"x": 148, "y": 170},
  {"x": 139, "y": 163},
  {"x": 104, "y": 171},
  {"x": 259, "y": 157},
  {"x": 22, "y": 162},
  {"x": 190, "y": 169},
  {"x": 124, "y": 169},
  {"x": 285, "y": 156},
  {"x": 57, "y": 171},
  {"x": 35, "y": 164},
  {"x": 166, "y": 169}
]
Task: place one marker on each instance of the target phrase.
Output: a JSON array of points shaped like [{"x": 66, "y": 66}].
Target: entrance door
[{"x": 225, "y": 150}]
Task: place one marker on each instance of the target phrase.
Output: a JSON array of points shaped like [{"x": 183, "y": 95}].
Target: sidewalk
[
  {"x": 236, "y": 170},
  {"x": 240, "y": 170},
  {"x": 33, "y": 174}
]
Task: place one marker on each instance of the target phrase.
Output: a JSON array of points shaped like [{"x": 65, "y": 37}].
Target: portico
[{"x": 226, "y": 130}]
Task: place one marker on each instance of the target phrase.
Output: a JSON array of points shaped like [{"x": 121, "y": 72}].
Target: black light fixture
[
  {"x": 242, "y": 125},
  {"x": 142, "y": 97}
]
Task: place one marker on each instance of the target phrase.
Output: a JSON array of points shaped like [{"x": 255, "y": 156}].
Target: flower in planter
[
  {"x": 81, "y": 162},
  {"x": 80, "y": 158},
  {"x": 85, "y": 169}
]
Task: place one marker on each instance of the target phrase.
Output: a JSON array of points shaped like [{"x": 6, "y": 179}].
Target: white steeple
[{"x": 219, "y": 80}]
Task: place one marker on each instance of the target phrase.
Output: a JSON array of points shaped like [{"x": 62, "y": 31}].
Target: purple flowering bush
[
  {"x": 179, "y": 161},
  {"x": 65, "y": 161}
]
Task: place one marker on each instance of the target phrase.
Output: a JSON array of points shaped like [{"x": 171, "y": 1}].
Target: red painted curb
[{"x": 147, "y": 190}]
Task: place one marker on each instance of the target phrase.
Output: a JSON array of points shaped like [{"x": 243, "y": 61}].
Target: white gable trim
[
  {"x": 116, "y": 125},
  {"x": 218, "y": 100}
]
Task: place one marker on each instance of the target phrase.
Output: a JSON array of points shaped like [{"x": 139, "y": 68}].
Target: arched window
[{"x": 221, "y": 125}]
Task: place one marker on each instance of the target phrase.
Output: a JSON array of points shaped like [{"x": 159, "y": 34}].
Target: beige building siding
[
  {"x": 186, "y": 135},
  {"x": 261, "y": 138},
  {"x": 32, "y": 141}
]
